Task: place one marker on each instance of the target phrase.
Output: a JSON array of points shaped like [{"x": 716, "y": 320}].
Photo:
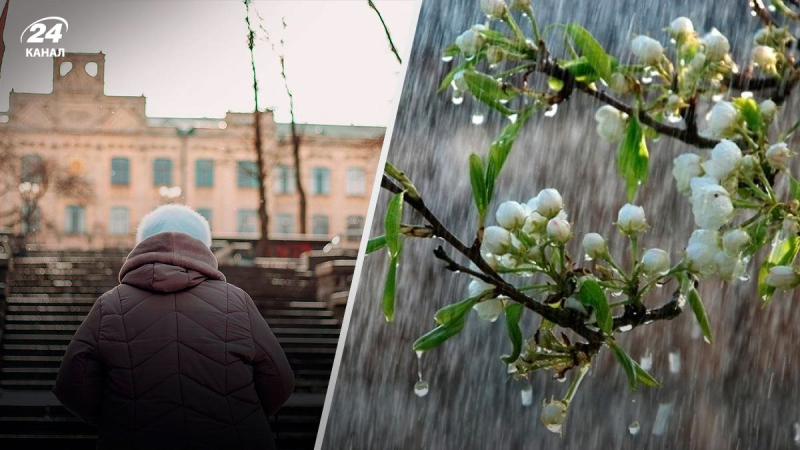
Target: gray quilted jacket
[{"x": 174, "y": 357}]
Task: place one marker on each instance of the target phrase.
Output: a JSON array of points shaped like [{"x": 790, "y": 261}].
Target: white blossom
[
  {"x": 490, "y": 309},
  {"x": 493, "y": 8},
  {"x": 469, "y": 42},
  {"x": 782, "y": 277},
  {"x": 703, "y": 246},
  {"x": 655, "y": 260},
  {"x": 534, "y": 223},
  {"x": 594, "y": 245},
  {"x": 768, "y": 110},
  {"x": 723, "y": 118},
  {"x": 630, "y": 219},
  {"x": 716, "y": 45},
  {"x": 711, "y": 206},
  {"x": 548, "y": 203},
  {"x": 777, "y": 154},
  {"x": 559, "y": 230},
  {"x": 684, "y": 168},
  {"x": 510, "y": 215},
  {"x": 725, "y": 159},
  {"x": 647, "y": 49},
  {"x": 765, "y": 57},
  {"x": 496, "y": 239},
  {"x": 611, "y": 123},
  {"x": 728, "y": 267},
  {"x": 476, "y": 287},
  {"x": 681, "y": 28},
  {"x": 734, "y": 241},
  {"x": 698, "y": 61},
  {"x": 618, "y": 83}
]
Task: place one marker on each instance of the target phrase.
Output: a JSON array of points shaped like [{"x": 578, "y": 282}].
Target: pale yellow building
[{"x": 133, "y": 163}]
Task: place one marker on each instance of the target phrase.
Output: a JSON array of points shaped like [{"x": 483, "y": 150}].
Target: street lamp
[
  {"x": 169, "y": 193},
  {"x": 30, "y": 193}
]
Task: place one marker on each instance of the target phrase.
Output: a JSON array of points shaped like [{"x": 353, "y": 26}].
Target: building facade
[{"x": 133, "y": 163}]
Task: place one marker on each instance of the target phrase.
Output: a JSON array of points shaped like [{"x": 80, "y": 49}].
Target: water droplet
[
  {"x": 421, "y": 388},
  {"x": 458, "y": 97},
  {"x": 674, "y": 118},
  {"x": 647, "y": 80},
  {"x": 753, "y": 13},
  {"x": 512, "y": 368},
  {"x": 502, "y": 101},
  {"x": 616, "y": 293},
  {"x": 660, "y": 424},
  {"x": 674, "y": 362},
  {"x": 513, "y": 117},
  {"x": 707, "y": 340},
  {"x": 419, "y": 354},
  {"x": 526, "y": 395},
  {"x": 551, "y": 112},
  {"x": 554, "y": 428},
  {"x": 747, "y": 94},
  {"x": 447, "y": 58},
  {"x": 647, "y": 360},
  {"x": 634, "y": 428},
  {"x": 478, "y": 118},
  {"x": 716, "y": 97}
]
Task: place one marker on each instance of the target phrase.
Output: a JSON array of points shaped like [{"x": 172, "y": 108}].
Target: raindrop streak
[
  {"x": 647, "y": 360},
  {"x": 634, "y": 428},
  {"x": 797, "y": 433},
  {"x": 526, "y": 394},
  {"x": 662, "y": 416},
  {"x": 674, "y": 362},
  {"x": 420, "y": 387}
]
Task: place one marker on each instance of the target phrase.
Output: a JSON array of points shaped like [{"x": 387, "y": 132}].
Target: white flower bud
[
  {"x": 630, "y": 219},
  {"x": 765, "y": 57},
  {"x": 749, "y": 162},
  {"x": 523, "y": 5},
  {"x": 594, "y": 245},
  {"x": 684, "y": 168},
  {"x": 618, "y": 83},
  {"x": 711, "y": 206},
  {"x": 611, "y": 123},
  {"x": 510, "y": 215},
  {"x": 681, "y": 28},
  {"x": 762, "y": 36},
  {"x": 723, "y": 118},
  {"x": 496, "y": 240},
  {"x": 554, "y": 414},
  {"x": 493, "y": 8},
  {"x": 768, "y": 110},
  {"x": 698, "y": 61},
  {"x": 534, "y": 223},
  {"x": 559, "y": 230},
  {"x": 734, "y": 241},
  {"x": 548, "y": 202},
  {"x": 476, "y": 287},
  {"x": 725, "y": 159},
  {"x": 490, "y": 309},
  {"x": 703, "y": 246},
  {"x": 778, "y": 154},
  {"x": 782, "y": 277},
  {"x": 674, "y": 102},
  {"x": 728, "y": 266},
  {"x": 655, "y": 260},
  {"x": 716, "y": 45},
  {"x": 647, "y": 49},
  {"x": 469, "y": 42}
]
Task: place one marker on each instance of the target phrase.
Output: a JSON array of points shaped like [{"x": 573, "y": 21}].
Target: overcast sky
[{"x": 190, "y": 59}]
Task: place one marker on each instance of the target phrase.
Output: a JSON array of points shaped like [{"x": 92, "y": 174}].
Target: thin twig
[
  {"x": 386, "y": 30},
  {"x": 762, "y": 12}
]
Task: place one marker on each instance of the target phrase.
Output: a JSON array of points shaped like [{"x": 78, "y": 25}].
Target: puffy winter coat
[{"x": 174, "y": 357}]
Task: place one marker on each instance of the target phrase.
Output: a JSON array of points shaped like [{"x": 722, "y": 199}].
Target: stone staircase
[{"x": 49, "y": 294}]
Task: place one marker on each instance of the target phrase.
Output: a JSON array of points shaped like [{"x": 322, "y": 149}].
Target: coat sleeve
[
  {"x": 79, "y": 385},
  {"x": 273, "y": 377}
]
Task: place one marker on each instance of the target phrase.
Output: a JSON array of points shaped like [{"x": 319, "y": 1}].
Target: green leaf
[
  {"x": 477, "y": 176},
  {"x": 394, "y": 214},
  {"x": 580, "y": 69},
  {"x": 699, "y": 312},
  {"x": 439, "y": 335},
  {"x": 645, "y": 378},
  {"x": 456, "y": 311},
  {"x": 390, "y": 290},
  {"x": 782, "y": 254},
  {"x": 555, "y": 84},
  {"x": 450, "y": 75},
  {"x": 750, "y": 112},
  {"x": 513, "y": 314},
  {"x": 376, "y": 243},
  {"x": 593, "y": 295},
  {"x": 632, "y": 369},
  {"x": 451, "y": 50},
  {"x": 794, "y": 187},
  {"x": 632, "y": 158},
  {"x": 591, "y": 49},
  {"x": 499, "y": 150},
  {"x": 489, "y": 91}
]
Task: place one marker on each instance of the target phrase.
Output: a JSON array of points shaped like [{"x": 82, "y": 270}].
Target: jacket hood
[{"x": 169, "y": 262}]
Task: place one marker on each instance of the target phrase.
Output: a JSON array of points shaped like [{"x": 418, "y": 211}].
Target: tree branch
[{"x": 386, "y": 30}]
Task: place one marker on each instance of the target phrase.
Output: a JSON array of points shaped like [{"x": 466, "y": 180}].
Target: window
[
  {"x": 75, "y": 222},
  {"x": 120, "y": 175},
  {"x": 284, "y": 224},
  {"x": 319, "y": 224},
  {"x": 355, "y": 228},
  {"x": 119, "y": 222},
  {"x": 206, "y": 213},
  {"x": 32, "y": 169},
  {"x": 321, "y": 181},
  {"x": 284, "y": 180},
  {"x": 355, "y": 182},
  {"x": 247, "y": 221},
  {"x": 162, "y": 172},
  {"x": 29, "y": 219},
  {"x": 204, "y": 173},
  {"x": 247, "y": 174}
]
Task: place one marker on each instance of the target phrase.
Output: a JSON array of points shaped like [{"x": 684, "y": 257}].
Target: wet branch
[
  {"x": 386, "y": 30},
  {"x": 761, "y": 12}
]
